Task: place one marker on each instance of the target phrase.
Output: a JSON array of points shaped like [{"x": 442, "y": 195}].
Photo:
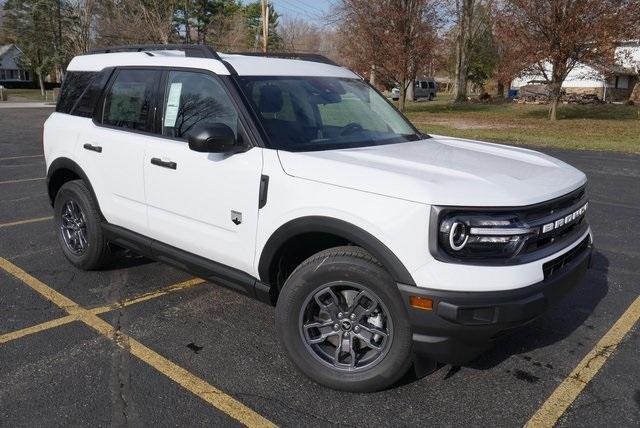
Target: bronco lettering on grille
[{"x": 569, "y": 218}]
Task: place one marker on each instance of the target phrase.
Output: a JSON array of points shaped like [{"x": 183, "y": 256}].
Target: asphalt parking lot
[{"x": 135, "y": 344}]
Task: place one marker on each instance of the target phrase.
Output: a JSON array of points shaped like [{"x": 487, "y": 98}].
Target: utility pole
[{"x": 265, "y": 24}]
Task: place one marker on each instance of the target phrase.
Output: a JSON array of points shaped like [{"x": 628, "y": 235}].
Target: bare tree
[
  {"x": 300, "y": 35},
  {"x": 464, "y": 18},
  {"x": 79, "y": 33},
  {"x": 395, "y": 36},
  {"x": 557, "y": 35},
  {"x": 228, "y": 31},
  {"x": 135, "y": 21}
]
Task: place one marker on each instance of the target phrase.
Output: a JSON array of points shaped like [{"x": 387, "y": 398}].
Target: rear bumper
[{"x": 463, "y": 324}]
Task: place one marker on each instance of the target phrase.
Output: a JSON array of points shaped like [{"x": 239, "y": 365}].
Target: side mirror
[{"x": 214, "y": 138}]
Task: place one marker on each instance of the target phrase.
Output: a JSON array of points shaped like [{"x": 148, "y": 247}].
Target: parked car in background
[{"x": 426, "y": 88}]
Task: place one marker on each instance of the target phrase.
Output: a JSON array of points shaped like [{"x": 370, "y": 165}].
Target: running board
[{"x": 199, "y": 266}]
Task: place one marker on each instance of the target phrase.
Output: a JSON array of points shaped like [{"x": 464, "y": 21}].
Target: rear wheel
[
  {"x": 78, "y": 227},
  {"x": 342, "y": 322}
]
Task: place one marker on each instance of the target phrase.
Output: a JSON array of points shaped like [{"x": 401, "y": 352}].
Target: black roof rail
[
  {"x": 194, "y": 51},
  {"x": 289, "y": 55}
]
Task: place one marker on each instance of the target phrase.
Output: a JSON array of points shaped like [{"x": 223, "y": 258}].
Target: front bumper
[{"x": 462, "y": 325}]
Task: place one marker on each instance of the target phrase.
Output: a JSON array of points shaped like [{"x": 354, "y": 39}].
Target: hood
[{"x": 441, "y": 171}]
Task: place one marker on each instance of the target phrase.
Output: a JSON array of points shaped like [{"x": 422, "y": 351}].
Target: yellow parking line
[
  {"x": 22, "y": 180},
  {"x": 28, "y": 221},
  {"x": 187, "y": 380},
  {"x": 148, "y": 296},
  {"x": 8, "y": 337},
  {"x": 565, "y": 394},
  {"x": 21, "y": 157}
]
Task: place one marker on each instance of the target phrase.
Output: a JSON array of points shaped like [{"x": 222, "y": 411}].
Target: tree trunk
[
  {"x": 41, "y": 83},
  {"x": 372, "y": 76},
  {"x": 556, "y": 90},
  {"x": 403, "y": 95},
  {"x": 500, "y": 91},
  {"x": 465, "y": 15},
  {"x": 411, "y": 93}
]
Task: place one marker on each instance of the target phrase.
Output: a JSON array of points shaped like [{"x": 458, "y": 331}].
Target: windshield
[{"x": 321, "y": 113}]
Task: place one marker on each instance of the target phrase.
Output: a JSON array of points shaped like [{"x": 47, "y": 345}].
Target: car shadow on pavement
[
  {"x": 557, "y": 324},
  {"x": 123, "y": 259}
]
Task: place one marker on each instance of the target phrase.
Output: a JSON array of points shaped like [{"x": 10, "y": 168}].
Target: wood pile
[
  {"x": 539, "y": 94},
  {"x": 581, "y": 99}
]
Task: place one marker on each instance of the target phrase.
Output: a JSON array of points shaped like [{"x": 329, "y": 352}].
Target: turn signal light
[{"x": 419, "y": 302}]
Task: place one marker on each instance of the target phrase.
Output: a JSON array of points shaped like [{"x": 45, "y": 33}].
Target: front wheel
[{"x": 342, "y": 322}]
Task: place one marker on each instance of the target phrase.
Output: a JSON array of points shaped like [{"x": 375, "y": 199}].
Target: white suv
[{"x": 295, "y": 182}]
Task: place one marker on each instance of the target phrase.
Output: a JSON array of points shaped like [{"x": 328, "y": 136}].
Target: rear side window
[
  {"x": 130, "y": 100},
  {"x": 87, "y": 102},
  {"x": 75, "y": 82}
]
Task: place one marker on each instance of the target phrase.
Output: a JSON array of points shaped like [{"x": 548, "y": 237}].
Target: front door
[{"x": 203, "y": 203}]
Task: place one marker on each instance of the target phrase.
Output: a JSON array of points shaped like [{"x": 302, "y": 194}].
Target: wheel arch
[
  {"x": 345, "y": 231},
  {"x": 63, "y": 170}
]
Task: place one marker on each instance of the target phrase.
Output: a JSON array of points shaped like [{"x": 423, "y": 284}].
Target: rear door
[
  {"x": 203, "y": 203},
  {"x": 116, "y": 144}
]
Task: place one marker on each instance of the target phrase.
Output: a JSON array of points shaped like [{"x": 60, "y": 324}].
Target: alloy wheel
[
  {"x": 74, "y": 228},
  {"x": 346, "y": 326}
]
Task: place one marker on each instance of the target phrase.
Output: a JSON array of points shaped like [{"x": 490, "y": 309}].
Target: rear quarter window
[
  {"x": 88, "y": 100},
  {"x": 75, "y": 83}
]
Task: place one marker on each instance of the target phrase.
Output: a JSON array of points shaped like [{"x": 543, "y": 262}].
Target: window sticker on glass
[{"x": 173, "y": 104}]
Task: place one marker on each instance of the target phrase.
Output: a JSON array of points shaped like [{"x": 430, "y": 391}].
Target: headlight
[
  {"x": 513, "y": 235},
  {"x": 481, "y": 236}
]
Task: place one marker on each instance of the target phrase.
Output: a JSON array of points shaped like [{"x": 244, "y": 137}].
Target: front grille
[
  {"x": 556, "y": 265},
  {"x": 550, "y": 211}
]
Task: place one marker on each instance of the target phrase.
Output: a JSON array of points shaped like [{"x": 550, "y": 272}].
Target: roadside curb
[{"x": 6, "y": 104}]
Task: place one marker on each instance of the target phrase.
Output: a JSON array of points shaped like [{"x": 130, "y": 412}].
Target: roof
[
  {"x": 616, "y": 69},
  {"x": 244, "y": 65},
  {"x": 5, "y": 48}
]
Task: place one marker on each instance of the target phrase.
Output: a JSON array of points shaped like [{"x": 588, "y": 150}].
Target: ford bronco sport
[{"x": 295, "y": 182}]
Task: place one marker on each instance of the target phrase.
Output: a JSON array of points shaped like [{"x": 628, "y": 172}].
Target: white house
[
  {"x": 10, "y": 71},
  {"x": 628, "y": 54},
  {"x": 613, "y": 84}
]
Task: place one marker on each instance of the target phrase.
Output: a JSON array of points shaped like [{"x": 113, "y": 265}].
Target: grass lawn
[
  {"x": 28, "y": 94},
  {"x": 594, "y": 127}
]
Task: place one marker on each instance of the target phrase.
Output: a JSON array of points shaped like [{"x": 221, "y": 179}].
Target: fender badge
[{"x": 236, "y": 217}]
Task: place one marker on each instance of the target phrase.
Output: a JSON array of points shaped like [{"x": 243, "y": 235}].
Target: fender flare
[
  {"x": 337, "y": 227},
  {"x": 66, "y": 163}
]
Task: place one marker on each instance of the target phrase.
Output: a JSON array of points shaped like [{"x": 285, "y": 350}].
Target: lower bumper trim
[{"x": 463, "y": 325}]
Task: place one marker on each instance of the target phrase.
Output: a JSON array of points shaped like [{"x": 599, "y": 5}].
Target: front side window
[
  {"x": 193, "y": 100},
  {"x": 321, "y": 113},
  {"x": 129, "y": 101}
]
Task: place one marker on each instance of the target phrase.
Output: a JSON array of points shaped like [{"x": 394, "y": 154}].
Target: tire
[
  {"x": 350, "y": 273},
  {"x": 75, "y": 197}
]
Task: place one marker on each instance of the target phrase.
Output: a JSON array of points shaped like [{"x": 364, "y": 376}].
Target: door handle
[
  {"x": 164, "y": 164},
  {"x": 93, "y": 148}
]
